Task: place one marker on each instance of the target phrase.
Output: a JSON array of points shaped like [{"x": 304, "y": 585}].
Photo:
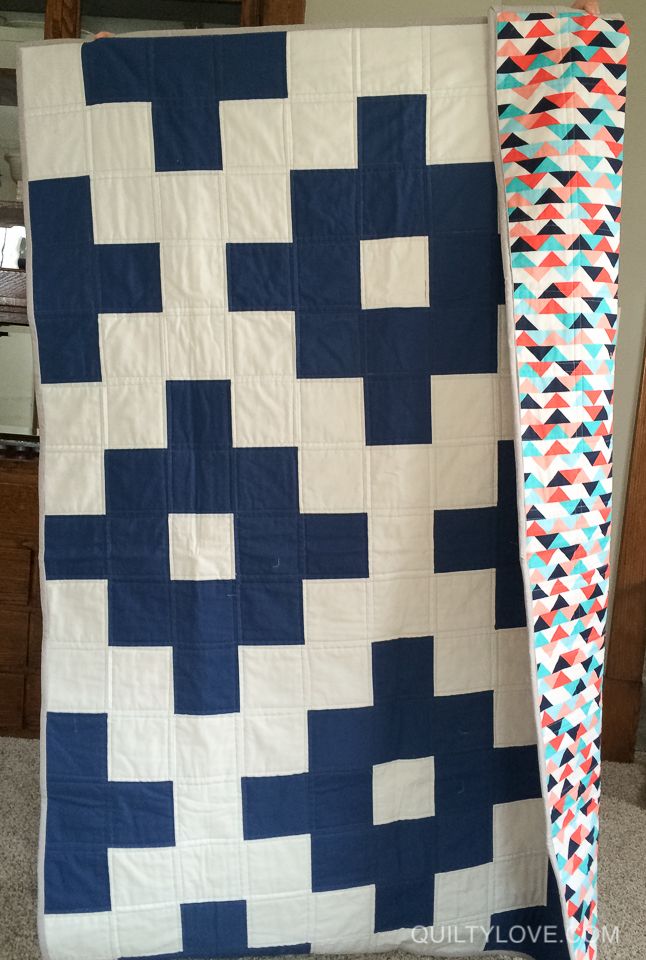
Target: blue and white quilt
[{"x": 288, "y": 703}]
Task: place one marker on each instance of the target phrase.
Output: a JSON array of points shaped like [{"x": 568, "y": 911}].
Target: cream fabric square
[
  {"x": 263, "y": 412},
  {"x": 264, "y": 344},
  {"x": 122, "y": 137},
  {"x": 191, "y": 205},
  {"x": 131, "y": 344},
  {"x": 142, "y": 876},
  {"x": 391, "y": 60},
  {"x": 77, "y": 613},
  {"x": 211, "y": 871},
  {"x": 136, "y": 414},
  {"x": 394, "y": 273},
  {"x": 335, "y": 610},
  {"x": 258, "y": 207},
  {"x": 56, "y": 145},
  {"x": 193, "y": 275},
  {"x": 519, "y": 826},
  {"x": 514, "y": 723},
  {"x": 464, "y": 663},
  {"x": 520, "y": 882},
  {"x": 318, "y": 62},
  {"x": 87, "y": 935},
  {"x": 507, "y": 408},
  {"x": 141, "y": 679},
  {"x": 73, "y": 482},
  {"x": 402, "y": 607},
  {"x": 139, "y": 747},
  {"x": 73, "y": 414},
  {"x": 279, "y": 865},
  {"x": 465, "y": 600},
  {"x": 463, "y": 407},
  {"x": 332, "y": 480},
  {"x": 76, "y": 679},
  {"x": 458, "y": 127},
  {"x": 124, "y": 210},
  {"x": 52, "y": 76},
  {"x": 400, "y": 543},
  {"x": 332, "y": 411},
  {"x": 461, "y": 894},
  {"x": 153, "y": 930},
  {"x": 275, "y": 744},
  {"x": 201, "y": 546},
  {"x": 342, "y": 915},
  {"x": 208, "y": 811},
  {"x": 253, "y": 133},
  {"x": 512, "y": 657},
  {"x": 273, "y": 921},
  {"x": 403, "y": 790},
  {"x": 339, "y": 677},
  {"x": 470, "y": 69},
  {"x": 465, "y": 475},
  {"x": 271, "y": 677},
  {"x": 401, "y": 477},
  {"x": 324, "y": 134},
  {"x": 196, "y": 345}
]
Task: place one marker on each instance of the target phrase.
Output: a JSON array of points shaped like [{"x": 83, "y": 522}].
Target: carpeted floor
[{"x": 622, "y": 859}]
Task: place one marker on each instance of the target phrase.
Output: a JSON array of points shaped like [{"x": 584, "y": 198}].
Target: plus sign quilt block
[{"x": 325, "y": 386}]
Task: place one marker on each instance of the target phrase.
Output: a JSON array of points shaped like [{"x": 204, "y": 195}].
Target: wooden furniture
[{"x": 20, "y": 617}]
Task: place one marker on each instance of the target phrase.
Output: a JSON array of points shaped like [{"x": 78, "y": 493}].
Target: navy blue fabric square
[
  {"x": 187, "y": 134},
  {"x": 206, "y": 679},
  {"x": 139, "y": 613},
  {"x": 141, "y": 814},
  {"x": 398, "y": 409},
  {"x": 138, "y": 547},
  {"x": 199, "y": 413},
  {"x": 399, "y": 341},
  {"x": 403, "y": 729},
  {"x": 267, "y": 479},
  {"x": 325, "y": 204},
  {"x": 268, "y": 545},
  {"x": 340, "y": 740},
  {"x": 329, "y": 345},
  {"x": 59, "y": 290},
  {"x": 136, "y": 481},
  {"x": 465, "y": 539},
  {"x": 464, "y": 197},
  {"x": 75, "y": 548},
  {"x": 336, "y": 545},
  {"x": 77, "y": 747},
  {"x": 185, "y": 69},
  {"x": 341, "y": 800},
  {"x": 271, "y": 611},
  {"x": 275, "y": 806},
  {"x": 204, "y": 613},
  {"x": 465, "y": 338},
  {"x": 463, "y": 805},
  {"x": 129, "y": 277},
  {"x": 253, "y": 66},
  {"x": 76, "y": 879},
  {"x": 60, "y": 212},
  {"x": 68, "y": 347},
  {"x": 463, "y": 723},
  {"x": 392, "y": 130},
  {"x": 117, "y": 70},
  {"x": 260, "y": 276},
  {"x": 328, "y": 274},
  {"x": 394, "y": 202},
  {"x": 200, "y": 478},
  {"x": 456, "y": 256},
  {"x": 402, "y": 668},
  {"x": 406, "y": 849},
  {"x": 214, "y": 929},
  {"x": 77, "y": 813},
  {"x": 516, "y": 772},
  {"x": 404, "y": 904},
  {"x": 510, "y": 597},
  {"x": 343, "y": 859}
]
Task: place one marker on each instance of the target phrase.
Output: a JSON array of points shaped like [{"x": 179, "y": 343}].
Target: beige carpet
[{"x": 622, "y": 866}]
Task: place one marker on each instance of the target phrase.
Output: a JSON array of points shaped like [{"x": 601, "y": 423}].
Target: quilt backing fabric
[{"x": 325, "y": 489}]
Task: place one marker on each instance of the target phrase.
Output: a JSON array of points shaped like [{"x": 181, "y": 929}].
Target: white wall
[{"x": 633, "y": 255}]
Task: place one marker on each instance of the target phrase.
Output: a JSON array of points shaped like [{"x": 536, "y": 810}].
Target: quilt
[{"x": 325, "y": 324}]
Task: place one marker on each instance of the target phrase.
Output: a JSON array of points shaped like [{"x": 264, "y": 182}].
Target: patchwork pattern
[
  {"x": 561, "y": 99},
  {"x": 288, "y": 699}
]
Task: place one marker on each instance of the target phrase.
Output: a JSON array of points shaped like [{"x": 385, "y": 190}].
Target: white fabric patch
[
  {"x": 394, "y": 273},
  {"x": 403, "y": 790},
  {"x": 201, "y": 546}
]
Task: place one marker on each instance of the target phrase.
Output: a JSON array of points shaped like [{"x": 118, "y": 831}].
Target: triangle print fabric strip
[{"x": 561, "y": 85}]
